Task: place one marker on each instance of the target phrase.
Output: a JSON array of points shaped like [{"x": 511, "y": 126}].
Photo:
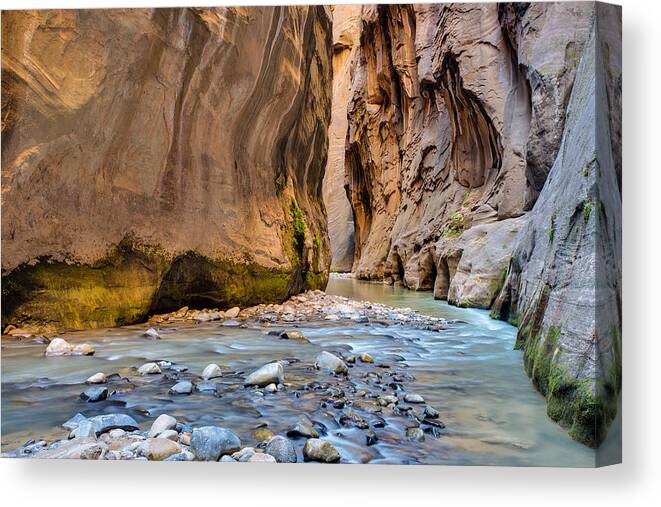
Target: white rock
[
  {"x": 211, "y": 371},
  {"x": 97, "y": 378},
  {"x": 267, "y": 374},
  {"x": 162, "y": 423},
  {"x": 152, "y": 334},
  {"x": 58, "y": 347},
  {"x": 232, "y": 313},
  {"x": 149, "y": 369}
]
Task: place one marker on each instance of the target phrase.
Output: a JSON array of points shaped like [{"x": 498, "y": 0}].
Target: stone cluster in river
[{"x": 351, "y": 391}]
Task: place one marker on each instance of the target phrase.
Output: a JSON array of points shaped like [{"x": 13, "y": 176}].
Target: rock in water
[
  {"x": 209, "y": 443},
  {"x": 295, "y": 336},
  {"x": 162, "y": 423},
  {"x": 97, "y": 378},
  {"x": 267, "y": 374},
  {"x": 74, "y": 422},
  {"x": 94, "y": 394},
  {"x": 282, "y": 449},
  {"x": 183, "y": 387},
  {"x": 327, "y": 361},
  {"x": 303, "y": 428},
  {"x": 320, "y": 450},
  {"x": 413, "y": 398},
  {"x": 366, "y": 358},
  {"x": 232, "y": 313},
  {"x": 149, "y": 369},
  {"x": 107, "y": 422},
  {"x": 84, "y": 430},
  {"x": 151, "y": 334},
  {"x": 211, "y": 371},
  {"x": 415, "y": 434},
  {"x": 60, "y": 347},
  {"x": 162, "y": 448}
]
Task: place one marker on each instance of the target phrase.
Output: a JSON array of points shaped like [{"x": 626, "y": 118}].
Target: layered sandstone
[
  {"x": 346, "y": 28},
  {"x": 158, "y": 158}
]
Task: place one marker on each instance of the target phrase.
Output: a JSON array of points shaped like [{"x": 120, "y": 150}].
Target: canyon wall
[
  {"x": 158, "y": 158},
  {"x": 470, "y": 138},
  {"x": 346, "y": 28}
]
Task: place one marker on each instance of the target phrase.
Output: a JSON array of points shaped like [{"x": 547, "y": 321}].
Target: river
[{"x": 469, "y": 373}]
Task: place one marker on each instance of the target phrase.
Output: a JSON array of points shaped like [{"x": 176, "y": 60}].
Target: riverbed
[{"x": 467, "y": 371}]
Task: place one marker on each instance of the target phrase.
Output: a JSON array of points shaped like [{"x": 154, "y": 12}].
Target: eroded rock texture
[
  {"x": 563, "y": 287},
  {"x": 456, "y": 117},
  {"x": 346, "y": 28},
  {"x": 160, "y": 158},
  {"x": 474, "y": 169}
]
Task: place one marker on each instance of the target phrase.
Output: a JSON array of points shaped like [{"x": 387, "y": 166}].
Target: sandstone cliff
[
  {"x": 159, "y": 158},
  {"x": 346, "y": 27},
  {"x": 468, "y": 141}
]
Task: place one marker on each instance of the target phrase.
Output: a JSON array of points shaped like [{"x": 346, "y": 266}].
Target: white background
[{"x": 636, "y": 482}]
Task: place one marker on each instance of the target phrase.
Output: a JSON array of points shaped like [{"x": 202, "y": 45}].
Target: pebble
[
  {"x": 366, "y": 358},
  {"x": 415, "y": 434},
  {"x": 271, "y": 388}
]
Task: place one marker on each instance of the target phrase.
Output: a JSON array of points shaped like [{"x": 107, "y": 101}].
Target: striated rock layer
[
  {"x": 470, "y": 137},
  {"x": 158, "y": 158},
  {"x": 346, "y": 27},
  {"x": 563, "y": 286}
]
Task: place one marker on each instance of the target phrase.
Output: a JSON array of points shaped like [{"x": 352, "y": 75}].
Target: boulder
[
  {"x": 162, "y": 423},
  {"x": 320, "y": 450},
  {"x": 282, "y": 449},
  {"x": 211, "y": 371},
  {"x": 209, "y": 443},
  {"x": 327, "y": 361},
  {"x": 267, "y": 374},
  {"x": 84, "y": 430}
]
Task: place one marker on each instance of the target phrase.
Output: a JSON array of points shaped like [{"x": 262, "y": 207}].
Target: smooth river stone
[
  {"x": 282, "y": 449},
  {"x": 162, "y": 423},
  {"x": 320, "y": 450},
  {"x": 149, "y": 369},
  {"x": 97, "y": 378},
  {"x": 209, "y": 443},
  {"x": 327, "y": 361},
  {"x": 267, "y": 374},
  {"x": 211, "y": 371}
]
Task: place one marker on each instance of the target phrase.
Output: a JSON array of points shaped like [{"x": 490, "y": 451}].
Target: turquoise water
[{"x": 468, "y": 372}]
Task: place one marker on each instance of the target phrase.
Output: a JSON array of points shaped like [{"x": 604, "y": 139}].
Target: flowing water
[{"x": 468, "y": 372}]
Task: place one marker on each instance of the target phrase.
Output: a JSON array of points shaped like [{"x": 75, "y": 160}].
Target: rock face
[
  {"x": 563, "y": 287},
  {"x": 156, "y": 158},
  {"x": 346, "y": 31},
  {"x": 474, "y": 169},
  {"x": 456, "y": 113}
]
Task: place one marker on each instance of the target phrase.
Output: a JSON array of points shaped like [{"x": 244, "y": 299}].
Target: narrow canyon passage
[{"x": 352, "y": 233}]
